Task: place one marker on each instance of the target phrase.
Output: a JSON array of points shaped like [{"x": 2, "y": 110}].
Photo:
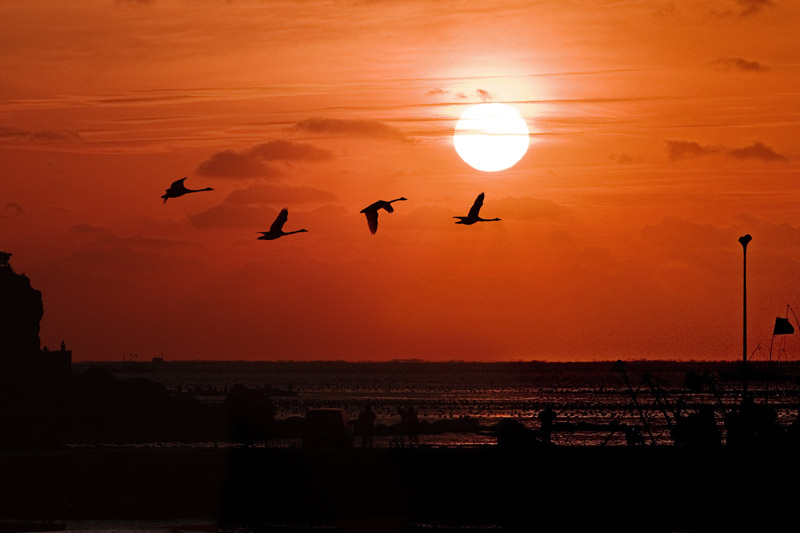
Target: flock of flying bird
[{"x": 371, "y": 212}]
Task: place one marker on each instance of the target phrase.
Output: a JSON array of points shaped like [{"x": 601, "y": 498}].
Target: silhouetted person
[
  {"x": 366, "y": 422},
  {"x": 371, "y": 211},
  {"x": 546, "y": 419},
  {"x": 410, "y": 422},
  {"x": 633, "y": 435},
  {"x": 63, "y": 347},
  {"x": 474, "y": 213},
  {"x": 179, "y": 189},
  {"x": 276, "y": 230}
]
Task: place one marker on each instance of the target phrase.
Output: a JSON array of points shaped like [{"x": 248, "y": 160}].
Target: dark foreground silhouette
[
  {"x": 179, "y": 189},
  {"x": 474, "y": 213},
  {"x": 620, "y": 489}
]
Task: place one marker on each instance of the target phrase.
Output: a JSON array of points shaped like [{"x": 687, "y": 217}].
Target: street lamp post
[{"x": 744, "y": 240}]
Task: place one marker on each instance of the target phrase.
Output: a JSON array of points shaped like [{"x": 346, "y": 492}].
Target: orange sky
[{"x": 663, "y": 131}]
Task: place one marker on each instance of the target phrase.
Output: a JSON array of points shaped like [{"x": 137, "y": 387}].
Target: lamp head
[{"x": 744, "y": 239}]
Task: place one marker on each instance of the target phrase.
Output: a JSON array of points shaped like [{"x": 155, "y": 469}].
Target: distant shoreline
[{"x": 448, "y": 362}]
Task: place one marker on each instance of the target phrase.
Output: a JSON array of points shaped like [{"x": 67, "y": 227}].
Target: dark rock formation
[{"x": 21, "y": 310}]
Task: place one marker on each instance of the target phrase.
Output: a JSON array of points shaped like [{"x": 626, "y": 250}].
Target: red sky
[{"x": 662, "y": 131}]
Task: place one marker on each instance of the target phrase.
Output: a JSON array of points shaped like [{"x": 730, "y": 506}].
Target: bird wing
[
  {"x": 387, "y": 206},
  {"x": 280, "y": 220},
  {"x": 372, "y": 220},
  {"x": 475, "y": 210}
]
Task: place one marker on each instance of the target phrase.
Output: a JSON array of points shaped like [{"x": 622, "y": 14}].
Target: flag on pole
[{"x": 782, "y": 327}]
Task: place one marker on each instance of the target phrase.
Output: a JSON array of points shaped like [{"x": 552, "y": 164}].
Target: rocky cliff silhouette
[{"x": 21, "y": 310}]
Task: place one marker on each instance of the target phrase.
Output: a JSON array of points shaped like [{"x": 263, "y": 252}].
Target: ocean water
[{"x": 586, "y": 396}]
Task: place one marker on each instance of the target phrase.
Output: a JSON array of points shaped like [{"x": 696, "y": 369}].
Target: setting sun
[{"x": 491, "y": 137}]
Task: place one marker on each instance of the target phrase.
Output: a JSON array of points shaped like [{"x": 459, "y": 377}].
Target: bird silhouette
[
  {"x": 474, "y": 213},
  {"x": 276, "y": 230},
  {"x": 371, "y": 211},
  {"x": 179, "y": 189}
]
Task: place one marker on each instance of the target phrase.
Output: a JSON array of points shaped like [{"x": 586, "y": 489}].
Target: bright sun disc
[{"x": 491, "y": 137}]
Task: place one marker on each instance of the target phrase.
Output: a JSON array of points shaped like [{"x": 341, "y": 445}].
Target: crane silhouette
[
  {"x": 474, "y": 213},
  {"x": 371, "y": 211},
  {"x": 179, "y": 189},
  {"x": 276, "y": 230}
]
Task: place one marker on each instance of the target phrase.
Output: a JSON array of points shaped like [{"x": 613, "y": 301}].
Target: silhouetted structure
[
  {"x": 474, "y": 213},
  {"x": 371, "y": 212},
  {"x": 179, "y": 189},
  {"x": 744, "y": 240},
  {"x": 276, "y": 230}
]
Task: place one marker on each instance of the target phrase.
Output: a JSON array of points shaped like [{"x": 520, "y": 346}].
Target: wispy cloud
[
  {"x": 352, "y": 127},
  {"x": 251, "y": 162},
  {"x": 753, "y": 7},
  {"x": 227, "y": 216},
  {"x": 263, "y": 193},
  {"x": 138, "y": 241},
  {"x": 757, "y": 150},
  {"x": 231, "y": 164},
  {"x": 527, "y": 208},
  {"x": 87, "y": 229},
  {"x": 485, "y": 96},
  {"x": 737, "y": 63},
  {"x": 39, "y": 136},
  {"x": 11, "y": 209},
  {"x": 678, "y": 150}
]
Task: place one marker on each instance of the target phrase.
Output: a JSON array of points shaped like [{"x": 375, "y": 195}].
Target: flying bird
[
  {"x": 474, "y": 213},
  {"x": 179, "y": 189},
  {"x": 371, "y": 211},
  {"x": 276, "y": 230}
]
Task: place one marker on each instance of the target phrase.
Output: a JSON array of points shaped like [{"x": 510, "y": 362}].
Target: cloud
[
  {"x": 526, "y": 208},
  {"x": 679, "y": 233},
  {"x": 229, "y": 163},
  {"x": 485, "y": 96},
  {"x": 251, "y": 162},
  {"x": 436, "y": 92},
  {"x": 757, "y": 150},
  {"x": 87, "y": 229},
  {"x": 622, "y": 159},
  {"x": 227, "y": 216},
  {"x": 282, "y": 150},
  {"x": 753, "y": 7},
  {"x": 11, "y": 209},
  {"x": 351, "y": 127},
  {"x": 677, "y": 150},
  {"x": 39, "y": 136},
  {"x": 737, "y": 63},
  {"x": 137, "y": 241},
  {"x": 262, "y": 193}
]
